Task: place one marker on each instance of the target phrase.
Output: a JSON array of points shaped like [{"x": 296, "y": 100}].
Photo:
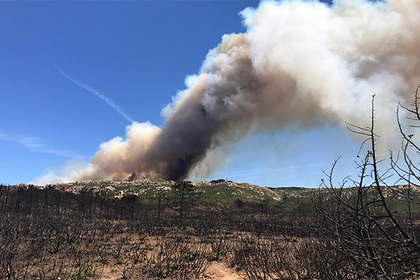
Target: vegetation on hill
[
  {"x": 222, "y": 193},
  {"x": 217, "y": 193}
]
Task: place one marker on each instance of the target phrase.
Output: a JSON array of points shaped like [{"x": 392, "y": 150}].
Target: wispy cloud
[
  {"x": 270, "y": 170},
  {"x": 35, "y": 144},
  {"x": 307, "y": 166},
  {"x": 107, "y": 100},
  {"x": 65, "y": 173}
]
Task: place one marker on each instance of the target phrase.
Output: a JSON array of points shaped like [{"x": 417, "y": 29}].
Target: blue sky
[{"x": 137, "y": 54}]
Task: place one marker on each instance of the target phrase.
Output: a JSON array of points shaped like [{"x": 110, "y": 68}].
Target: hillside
[
  {"x": 220, "y": 193},
  {"x": 217, "y": 192},
  {"x": 142, "y": 230}
]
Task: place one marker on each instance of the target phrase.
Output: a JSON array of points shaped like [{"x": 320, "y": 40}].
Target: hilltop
[
  {"x": 220, "y": 193},
  {"x": 216, "y": 192}
]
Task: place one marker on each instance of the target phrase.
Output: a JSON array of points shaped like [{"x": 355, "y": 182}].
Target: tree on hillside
[
  {"x": 374, "y": 224},
  {"x": 184, "y": 193}
]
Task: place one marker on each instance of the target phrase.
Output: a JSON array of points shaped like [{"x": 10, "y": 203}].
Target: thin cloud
[
  {"x": 64, "y": 174},
  {"x": 107, "y": 100},
  {"x": 284, "y": 168},
  {"x": 35, "y": 144}
]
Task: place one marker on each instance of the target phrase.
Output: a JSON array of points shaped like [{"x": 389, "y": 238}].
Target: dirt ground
[
  {"x": 215, "y": 271},
  {"x": 221, "y": 271}
]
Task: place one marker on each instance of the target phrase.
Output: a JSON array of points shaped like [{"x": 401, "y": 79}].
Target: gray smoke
[{"x": 300, "y": 63}]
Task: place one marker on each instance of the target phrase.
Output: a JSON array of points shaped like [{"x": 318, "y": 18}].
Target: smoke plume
[{"x": 300, "y": 63}]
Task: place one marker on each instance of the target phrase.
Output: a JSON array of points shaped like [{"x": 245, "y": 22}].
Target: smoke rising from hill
[{"x": 300, "y": 64}]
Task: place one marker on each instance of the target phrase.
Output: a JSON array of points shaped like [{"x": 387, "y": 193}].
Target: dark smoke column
[{"x": 224, "y": 97}]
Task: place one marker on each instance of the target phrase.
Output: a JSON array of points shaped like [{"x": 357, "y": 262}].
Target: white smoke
[
  {"x": 118, "y": 158},
  {"x": 300, "y": 63}
]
